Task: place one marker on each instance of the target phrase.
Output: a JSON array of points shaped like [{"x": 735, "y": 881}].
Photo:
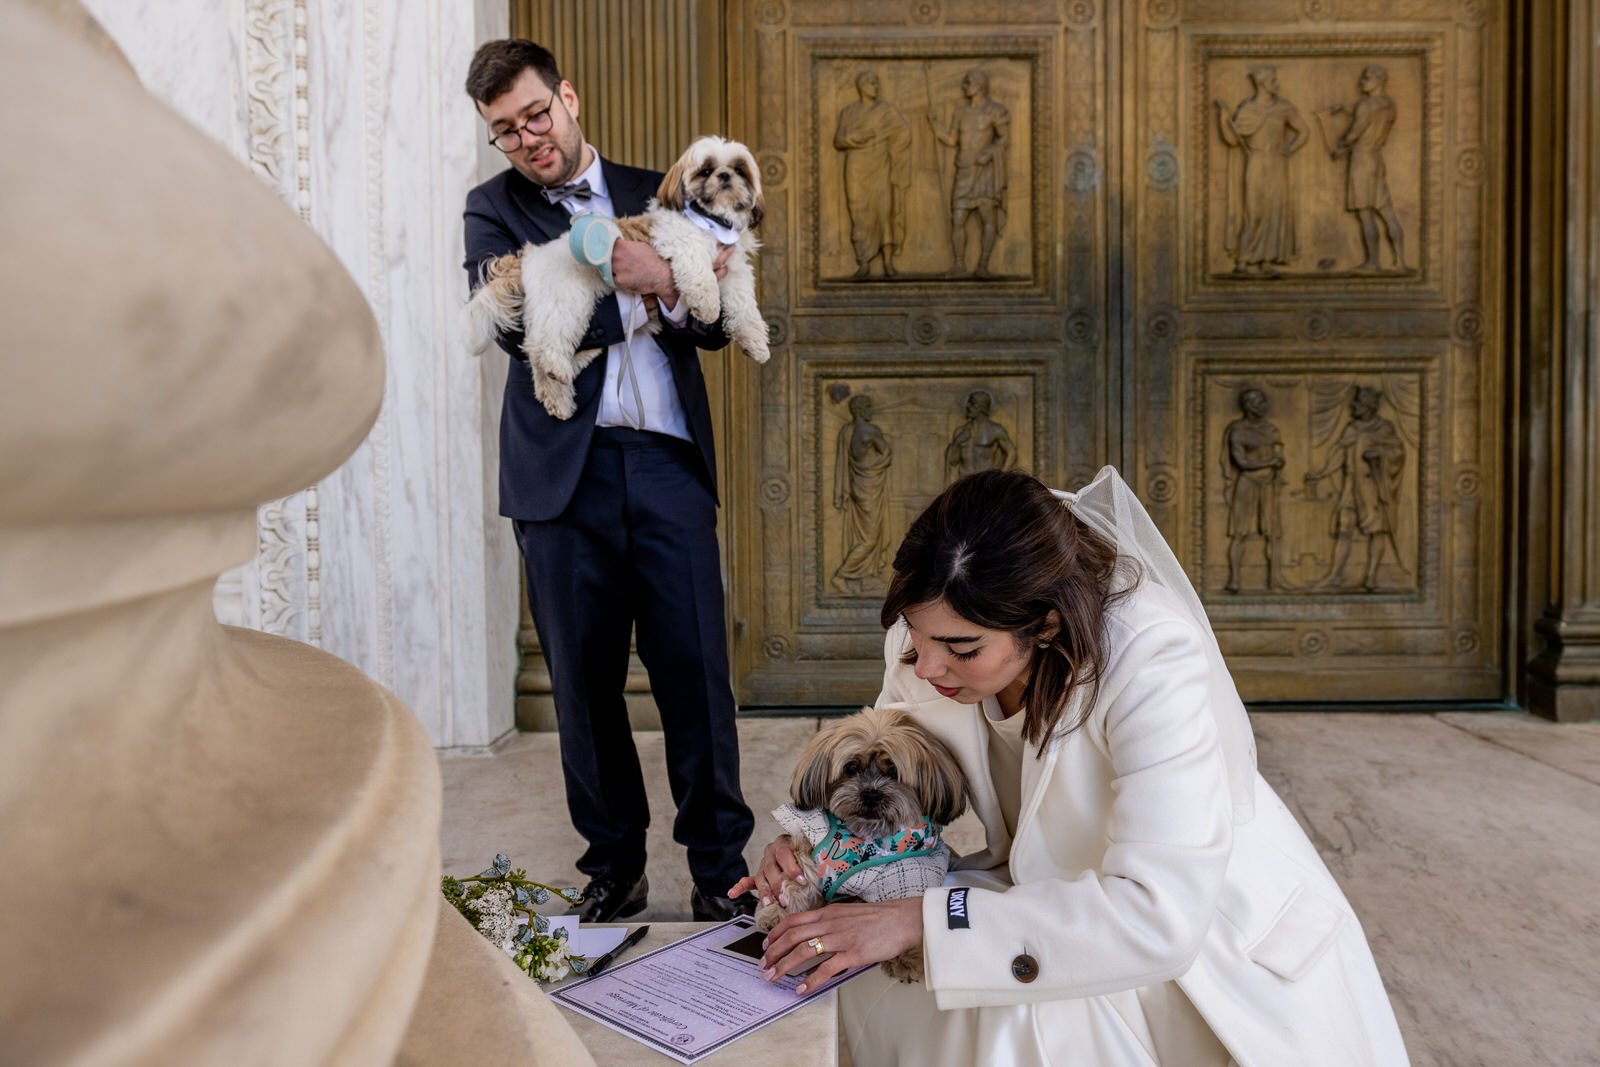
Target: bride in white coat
[{"x": 1145, "y": 898}]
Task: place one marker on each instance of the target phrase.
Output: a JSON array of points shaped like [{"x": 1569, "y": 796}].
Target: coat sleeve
[
  {"x": 488, "y": 237},
  {"x": 708, "y": 337},
  {"x": 1141, "y": 917}
]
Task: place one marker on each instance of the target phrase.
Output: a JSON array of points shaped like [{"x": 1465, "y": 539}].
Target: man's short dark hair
[{"x": 498, "y": 64}]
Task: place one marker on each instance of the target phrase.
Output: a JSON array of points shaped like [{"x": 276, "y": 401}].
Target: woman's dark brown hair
[{"x": 1002, "y": 552}]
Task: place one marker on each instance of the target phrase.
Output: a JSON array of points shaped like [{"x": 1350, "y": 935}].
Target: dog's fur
[
  {"x": 717, "y": 175},
  {"x": 878, "y": 770}
]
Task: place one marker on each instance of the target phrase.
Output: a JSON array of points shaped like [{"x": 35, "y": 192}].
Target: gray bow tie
[{"x": 560, "y": 194}]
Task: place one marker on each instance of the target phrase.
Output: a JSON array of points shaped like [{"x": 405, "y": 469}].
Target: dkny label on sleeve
[{"x": 956, "y": 910}]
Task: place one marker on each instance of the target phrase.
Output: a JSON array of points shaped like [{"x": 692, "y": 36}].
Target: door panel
[
  {"x": 1313, "y": 336},
  {"x": 1247, "y": 251},
  {"x": 931, "y": 171}
]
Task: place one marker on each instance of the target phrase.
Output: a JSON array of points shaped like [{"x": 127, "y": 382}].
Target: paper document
[
  {"x": 590, "y": 941},
  {"x": 688, "y": 999}
]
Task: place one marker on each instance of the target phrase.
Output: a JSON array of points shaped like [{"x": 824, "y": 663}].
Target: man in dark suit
[{"x": 615, "y": 508}]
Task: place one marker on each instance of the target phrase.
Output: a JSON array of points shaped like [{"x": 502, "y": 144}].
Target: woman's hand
[
  {"x": 777, "y": 863},
  {"x": 855, "y": 934}
]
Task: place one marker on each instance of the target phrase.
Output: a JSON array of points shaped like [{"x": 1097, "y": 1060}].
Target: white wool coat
[{"x": 1128, "y": 871}]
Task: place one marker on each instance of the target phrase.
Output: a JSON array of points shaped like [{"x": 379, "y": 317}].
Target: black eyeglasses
[{"x": 538, "y": 122}]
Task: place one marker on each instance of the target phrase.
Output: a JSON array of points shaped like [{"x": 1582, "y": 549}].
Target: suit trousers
[{"x": 637, "y": 546}]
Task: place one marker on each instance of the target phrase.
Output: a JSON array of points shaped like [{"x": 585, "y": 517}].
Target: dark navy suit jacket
[{"x": 542, "y": 457}]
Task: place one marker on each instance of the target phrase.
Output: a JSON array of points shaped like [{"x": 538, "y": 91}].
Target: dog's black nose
[
  {"x": 871, "y": 797},
  {"x": 724, "y": 174}
]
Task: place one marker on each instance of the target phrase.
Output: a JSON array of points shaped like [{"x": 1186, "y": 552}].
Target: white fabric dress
[
  {"x": 1153, "y": 1025},
  {"x": 1124, "y": 913},
  {"x": 1144, "y": 898}
]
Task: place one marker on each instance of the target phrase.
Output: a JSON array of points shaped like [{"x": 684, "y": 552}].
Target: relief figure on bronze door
[
  {"x": 1366, "y": 126},
  {"x": 1252, "y": 471},
  {"x": 980, "y": 443},
  {"x": 1365, "y": 463},
  {"x": 1261, "y": 134},
  {"x": 862, "y": 457},
  {"x": 979, "y": 131},
  {"x": 876, "y": 141}
]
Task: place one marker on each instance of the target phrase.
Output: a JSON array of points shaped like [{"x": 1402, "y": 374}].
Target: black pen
[{"x": 628, "y": 942}]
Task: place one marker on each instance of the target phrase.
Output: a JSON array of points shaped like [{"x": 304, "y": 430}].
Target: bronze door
[{"x": 1248, "y": 252}]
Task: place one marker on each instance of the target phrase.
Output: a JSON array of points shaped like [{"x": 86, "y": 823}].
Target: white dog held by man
[{"x": 710, "y": 199}]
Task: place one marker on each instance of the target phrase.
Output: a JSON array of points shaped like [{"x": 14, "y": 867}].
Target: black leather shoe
[
  {"x": 607, "y": 899},
  {"x": 716, "y": 908}
]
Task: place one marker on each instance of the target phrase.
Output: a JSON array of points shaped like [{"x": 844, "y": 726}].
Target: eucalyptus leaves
[{"x": 492, "y": 902}]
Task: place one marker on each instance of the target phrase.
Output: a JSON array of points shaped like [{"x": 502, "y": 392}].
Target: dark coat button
[{"x": 1024, "y": 968}]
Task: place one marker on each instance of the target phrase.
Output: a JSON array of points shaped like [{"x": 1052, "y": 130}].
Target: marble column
[{"x": 353, "y": 112}]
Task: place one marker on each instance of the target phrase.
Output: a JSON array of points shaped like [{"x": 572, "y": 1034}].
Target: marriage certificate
[{"x": 689, "y": 999}]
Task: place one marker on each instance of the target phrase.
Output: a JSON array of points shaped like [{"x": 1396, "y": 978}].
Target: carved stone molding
[
  {"x": 288, "y": 567},
  {"x": 375, "y": 105},
  {"x": 269, "y": 75}
]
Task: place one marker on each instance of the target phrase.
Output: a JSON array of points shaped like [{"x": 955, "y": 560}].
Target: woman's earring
[{"x": 1044, "y": 644}]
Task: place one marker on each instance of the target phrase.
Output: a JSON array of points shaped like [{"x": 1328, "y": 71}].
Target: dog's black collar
[{"x": 694, "y": 205}]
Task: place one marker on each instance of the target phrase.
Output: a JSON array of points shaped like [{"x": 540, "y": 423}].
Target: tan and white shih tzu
[
  {"x": 872, "y": 794},
  {"x": 711, "y": 198}
]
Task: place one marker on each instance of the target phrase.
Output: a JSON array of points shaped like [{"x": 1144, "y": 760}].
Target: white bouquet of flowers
[{"x": 499, "y": 903}]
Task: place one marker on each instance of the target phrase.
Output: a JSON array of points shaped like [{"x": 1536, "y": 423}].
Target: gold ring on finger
[{"x": 816, "y": 943}]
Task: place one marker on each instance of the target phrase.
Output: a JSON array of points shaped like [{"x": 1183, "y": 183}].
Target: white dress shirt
[{"x": 619, "y": 403}]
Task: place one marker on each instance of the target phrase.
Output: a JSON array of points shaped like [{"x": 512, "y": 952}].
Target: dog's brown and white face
[
  {"x": 879, "y": 770},
  {"x": 718, "y": 176}
]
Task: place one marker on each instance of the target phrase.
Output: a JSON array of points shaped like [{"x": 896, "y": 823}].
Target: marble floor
[{"x": 1469, "y": 844}]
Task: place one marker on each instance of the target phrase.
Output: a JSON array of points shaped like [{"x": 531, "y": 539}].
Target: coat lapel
[
  {"x": 548, "y": 219},
  {"x": 630, "y": 191},
  {"x": 1037, "y": 771},
  {"x": 985, "y": 801}
]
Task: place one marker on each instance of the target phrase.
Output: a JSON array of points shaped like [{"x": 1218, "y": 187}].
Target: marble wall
[{"x": 398, "y": 562}]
